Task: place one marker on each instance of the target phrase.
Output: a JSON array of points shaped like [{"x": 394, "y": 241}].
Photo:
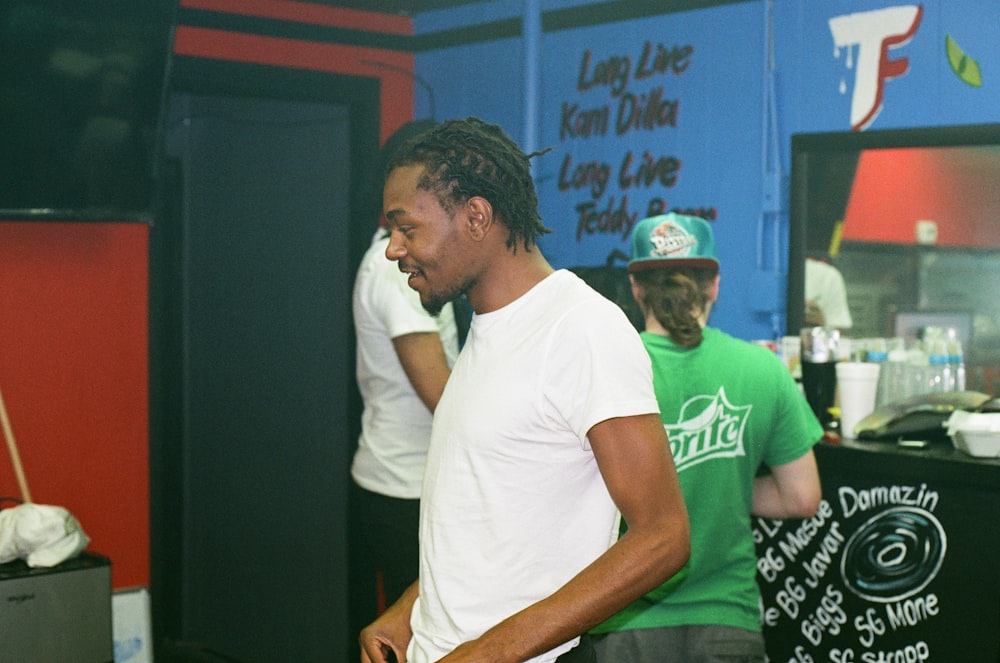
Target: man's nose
[{"x": 394, "y": 249}]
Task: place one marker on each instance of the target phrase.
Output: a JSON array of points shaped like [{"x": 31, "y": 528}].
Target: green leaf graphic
[{"x": 964, "y": 67}]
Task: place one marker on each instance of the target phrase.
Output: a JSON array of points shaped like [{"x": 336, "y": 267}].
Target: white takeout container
[{"x": 975, "y": 433}]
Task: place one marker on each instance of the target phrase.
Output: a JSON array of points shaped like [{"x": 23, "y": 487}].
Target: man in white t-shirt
[
  {"x": 547, "y": 430},
  {"x": 826, "y": 296},
  {"x": 404, "y": 356}
]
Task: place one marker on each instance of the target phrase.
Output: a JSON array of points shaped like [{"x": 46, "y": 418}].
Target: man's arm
[
  {"x": 424, "y": 363},
  {"x": 391, "y": 631},
  {"x": 634, "y": 458},
  {"x": 791, "y": 490},
  {"x": 814, "y": 315}
]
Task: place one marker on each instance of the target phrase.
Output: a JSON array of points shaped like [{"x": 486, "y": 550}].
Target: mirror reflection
[{"x": 897, "y": 232}]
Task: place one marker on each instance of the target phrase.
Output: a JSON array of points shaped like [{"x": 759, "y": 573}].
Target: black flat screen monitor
[
  {"x": 81, "y": 86},
  {"x": 824, "y": 166}
]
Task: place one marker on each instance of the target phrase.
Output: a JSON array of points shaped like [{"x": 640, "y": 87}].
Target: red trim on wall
[
  {"x": 397, "y": 87},
  {"x": 306, "y": 12},
  {"x": 74, "y": 373}
]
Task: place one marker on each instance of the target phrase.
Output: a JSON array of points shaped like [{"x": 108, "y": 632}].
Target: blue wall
[{"x": 725, "y": 109}]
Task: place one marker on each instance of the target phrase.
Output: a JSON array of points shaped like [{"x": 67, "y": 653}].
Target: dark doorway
[{"x": 257, "y": 414}]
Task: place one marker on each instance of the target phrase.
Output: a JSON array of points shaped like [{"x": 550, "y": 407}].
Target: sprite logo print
[
  {"x": 708, "y": 427},
  {"x": 670, "y": 241}
]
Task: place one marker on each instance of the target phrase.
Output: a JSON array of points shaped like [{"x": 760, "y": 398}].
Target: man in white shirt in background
[
  {"x": 826, "y": 296},
  {"x": 404, "y": 356}
]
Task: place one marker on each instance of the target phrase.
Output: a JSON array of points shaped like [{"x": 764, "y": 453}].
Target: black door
[{"x": 251, "y": 478}]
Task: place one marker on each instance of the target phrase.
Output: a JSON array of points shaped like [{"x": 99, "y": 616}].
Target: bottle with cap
[
  {"x": 875, "y": 351},
  {"x": 819, "y": 352},
  {"x": 892, "y": 384},
  {"x": 917, "y": 369},
  {"x": 956, "y": 359},
  {"x": 939, "y": 372}
]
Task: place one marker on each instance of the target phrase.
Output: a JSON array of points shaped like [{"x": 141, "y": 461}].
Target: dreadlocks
[{"x": 470, "y": 157}]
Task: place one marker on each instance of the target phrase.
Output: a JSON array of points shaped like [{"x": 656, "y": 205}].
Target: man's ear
[
  {"x": 480, "y": 217},
  {"x": 713, "y": 292},
  {"x": 636, "y": 289}
]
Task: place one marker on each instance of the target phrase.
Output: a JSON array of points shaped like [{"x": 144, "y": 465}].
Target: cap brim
[{"x": 652, "y": 263}]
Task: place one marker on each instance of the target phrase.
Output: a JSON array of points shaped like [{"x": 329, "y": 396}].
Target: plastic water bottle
[
  {"x": 956, "y": 359},
  {"x": 892, "y": 385},
  {"x": 939, "y": 373},
  {"x": 876, "y": 352},
  {"x": 917, "y": 370}
]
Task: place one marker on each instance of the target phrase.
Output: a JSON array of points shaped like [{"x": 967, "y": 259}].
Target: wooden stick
[{"x": 15, "y": 458}]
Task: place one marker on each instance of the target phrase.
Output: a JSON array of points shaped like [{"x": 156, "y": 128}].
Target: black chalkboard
[{"x": 900, "y": 564}]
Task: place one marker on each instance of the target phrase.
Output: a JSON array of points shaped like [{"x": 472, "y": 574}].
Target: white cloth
[
  {"x": 40, "y": 534},
  {"x": 395, "y": 423},
  {"x": 825, "y": 286},
  {"x": 514, "y": 504}
]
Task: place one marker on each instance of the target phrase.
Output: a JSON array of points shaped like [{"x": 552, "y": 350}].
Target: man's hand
[{"x": 385, "y": 640}]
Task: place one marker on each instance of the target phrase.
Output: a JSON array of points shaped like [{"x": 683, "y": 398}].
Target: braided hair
[
  {"x": 677, "y": 296},
  {"x": 470, "y": 157}
]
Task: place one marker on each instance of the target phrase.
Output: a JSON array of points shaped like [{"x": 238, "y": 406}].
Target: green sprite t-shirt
[{"x": 728, "y": 407}]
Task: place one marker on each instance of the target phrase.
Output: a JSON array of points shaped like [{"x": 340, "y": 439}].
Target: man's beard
[{"x": 437, "y": 300}]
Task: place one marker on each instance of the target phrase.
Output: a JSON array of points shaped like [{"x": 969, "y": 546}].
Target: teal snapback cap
[{"x": 672, "y": 240}]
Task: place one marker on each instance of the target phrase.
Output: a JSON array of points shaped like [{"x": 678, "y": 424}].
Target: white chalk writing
[
  {"x": 855, "y": 578},
  {"x": 853, "y": 500}
]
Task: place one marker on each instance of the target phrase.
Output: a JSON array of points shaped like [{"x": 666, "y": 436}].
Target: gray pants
[{"x": 681, "y": 644}]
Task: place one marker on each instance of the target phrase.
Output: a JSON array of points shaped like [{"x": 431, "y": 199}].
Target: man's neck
[{"x": 508, "y": 279}]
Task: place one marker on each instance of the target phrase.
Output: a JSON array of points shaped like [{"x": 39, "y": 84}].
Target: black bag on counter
[{"x": 922, "y": 417}]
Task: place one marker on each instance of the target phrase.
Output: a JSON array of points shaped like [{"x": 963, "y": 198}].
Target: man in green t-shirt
[{"x": 741, "y": 434}]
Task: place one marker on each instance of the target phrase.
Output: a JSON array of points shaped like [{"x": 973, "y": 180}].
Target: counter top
[{"x": 942, "y": 459}]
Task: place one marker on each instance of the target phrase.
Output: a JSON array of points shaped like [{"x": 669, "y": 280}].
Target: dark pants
[
  {"x": 388, "y": 536},
  {"x": 582, "y": 653}
]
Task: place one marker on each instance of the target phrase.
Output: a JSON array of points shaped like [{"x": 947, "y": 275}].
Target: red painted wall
[
  {"x": 74, "y": 306},
  {"x": 394, "y": 69},
  {"x": 956, "y": 187},
  {"x": 74, "y": 377}
]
